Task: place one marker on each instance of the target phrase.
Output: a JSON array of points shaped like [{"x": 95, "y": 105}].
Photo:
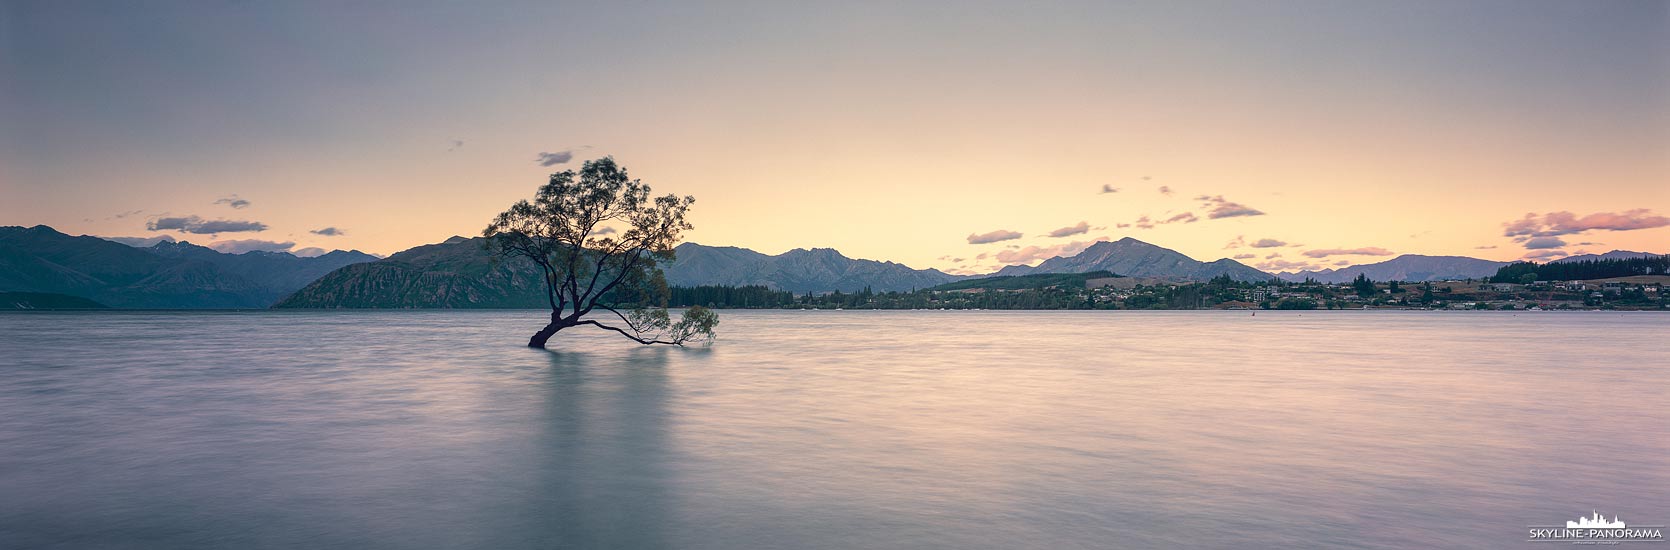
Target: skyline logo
[
  {"x": 1596, "y": 529},
  {"x": 1597, "y": 521}
]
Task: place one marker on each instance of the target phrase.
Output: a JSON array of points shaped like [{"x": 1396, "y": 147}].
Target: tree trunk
[{"x": 544, "y": 335}]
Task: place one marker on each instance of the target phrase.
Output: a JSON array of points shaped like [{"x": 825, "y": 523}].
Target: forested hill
[
  {"x": 1583, "y": 270},
  {"x": 1020, "y": 282}
]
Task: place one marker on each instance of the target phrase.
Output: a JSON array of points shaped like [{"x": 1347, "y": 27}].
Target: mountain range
[
  {"x": 1407, "y": 268},
  {"x": 1133, "y": 258},
  {"x": 1613, "y": 255},
  {"x": 168, "y": 275}
]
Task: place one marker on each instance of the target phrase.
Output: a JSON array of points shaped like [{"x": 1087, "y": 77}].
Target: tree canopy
[{"x": 597, "y": 236}]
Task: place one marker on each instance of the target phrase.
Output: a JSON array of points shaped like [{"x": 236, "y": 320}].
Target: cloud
[
  {"x": 456, "y": 144},
  {"x": 237, "y": 246},
  {"x": 141, "y": 242},
  {"x": 982, "y": 255},
  {"x": 1121, "y": 225},
  {"x": 1486, "y": 247},
  {"x": 1109, "y": 189},
  {"x": 1031, "y": 254},
  {"x": 1566, "y": 223},
  {"x": 1537, "y": 243},
  {"x": 553, "y": 159},
  {"x": 1343, "y": 262},
  {"x": 200, "y": 226},
  {"x": 309, "y": 252},
  {"x": 1273, "y": 255},
  {"x": 1081, "y": 228},
  {"x": 1365, "y": 251},
  {"x": 1545, "y": 254},
  {"x": 995, "y": 236},
  {"x": 1240, "y": 241},
  {"x": 1283, "y": 265},
  {"x": 1165, "y": 190},
  {"x": 232, "y": 201},
  {"x": 1218, "y": 207},
  {"x": 1268, "y": 243},
  {"x": 1245, "y": 256},
  {"x": 329, "y": 232},
  {"x": 1186, "y": 217},
  {"x": 1144, "y": 223}
]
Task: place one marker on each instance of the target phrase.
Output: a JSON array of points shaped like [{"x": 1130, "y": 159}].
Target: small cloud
[
  {"x": 1273, "y": 255},
  {"x": 237, "y": 246},
  {"x": 1245, "y": 256},
  {"x": 1144, "y": 223},
  {"x": 1538, "y": 243},
  {"x": 1218, "y": 207},
  {"x": 553, "y": 159},
  {"x": 1268, "y": 243},
  {"x": 1121, "y": 225},
  {"x": 309, "y": 252},
  {"x": 982, "y": 255},
  {"x": 604, "y": 231},
  {"x": 1165, "y": 190},
  {"x": 1186, "y": 217},
  {"x": 1081, "y": 228},
  {"x": 1365, "y": 251},
  {"x": 1545, "y": 254},
  {"x": 328, "y": 232},
  {"x": 1566, "y": 223},
  {"x": 1031, "y": 254},
  {"x": 1486, "y": 247},
  {"x": 1109, "y": 189},
  {"x": 958, "y": 260},
  {"x": 1283, "y": 265},
  {"x": 455, "y": 144},
  {"x": 1343, "y": 262},
  {"x": 141, "y": 242},
  {"x": 992, "y": 237},
  {"x": 120, "y": 215},
  {"x": 232, "y": 201},
  {"x": 196, "y": 225},
  {"x": 1240, "y": 241}
]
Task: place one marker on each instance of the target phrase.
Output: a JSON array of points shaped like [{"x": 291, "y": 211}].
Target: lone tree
[{"x": 589, "y": 265}]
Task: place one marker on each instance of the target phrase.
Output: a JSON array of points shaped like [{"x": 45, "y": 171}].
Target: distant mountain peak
[{"x": 455, "y": 239}]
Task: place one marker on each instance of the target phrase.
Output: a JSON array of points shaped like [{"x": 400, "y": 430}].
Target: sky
[{"x": 959, "y": 135}]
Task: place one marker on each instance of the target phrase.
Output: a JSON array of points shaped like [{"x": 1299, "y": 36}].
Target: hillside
[
  {"x": 1133, "y": 258},
  {"x": 800, "y": 270},
  {"x": 45, "y": 300},
  {"x": 1408, "y": 268},
  {"x": 1020, "y": 282},
  {"x": 167, "y": 276}
]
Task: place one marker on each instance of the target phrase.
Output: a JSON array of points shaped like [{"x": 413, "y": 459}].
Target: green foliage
[
  {"x": 1037, "y": 280},
  {"x": 1582, "y": 270},
  {"x": 596, "y": 236},
  {"x": 1363, "y": 285}
]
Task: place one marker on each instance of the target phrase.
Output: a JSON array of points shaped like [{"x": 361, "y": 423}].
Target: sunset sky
[{"x": 957, "y": 135}]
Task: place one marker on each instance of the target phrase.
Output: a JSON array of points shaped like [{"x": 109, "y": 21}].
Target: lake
[{"x": 832, "y": 429}]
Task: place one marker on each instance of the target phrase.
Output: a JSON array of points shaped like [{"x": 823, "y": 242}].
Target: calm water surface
[{"x": 829, "y": 430}]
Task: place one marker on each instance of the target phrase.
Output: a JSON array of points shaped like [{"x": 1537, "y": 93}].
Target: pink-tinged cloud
[
  {"x": 1245, "y": 256},
  {"x": 240, "y": 246},
  {"x": 1268, "y": 243},
  {"x": 1186, "y": 217},
  {"x": 1538, "y": 243},
  {"x": 1165, "y": 190},
  {"x": 1219, "y": 207},
  {"x": 1240, "y": 241},
  {"x": 1283, "y": 265},
  {"x": 1081, "y": 228},
  {"x": 1144, "y": 223},
  {"x": 1566, "y": 223},
  {"x": 1365, "y": 251},
  {"x": 1029, "y": 254},
  {"x": 1545, "y": 254},
  {"x": 992, "y": 237},
  {"x": 1109, "y": 189}
]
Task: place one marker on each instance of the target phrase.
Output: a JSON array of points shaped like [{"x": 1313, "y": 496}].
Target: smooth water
[{"x": 856, "y": 429}]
